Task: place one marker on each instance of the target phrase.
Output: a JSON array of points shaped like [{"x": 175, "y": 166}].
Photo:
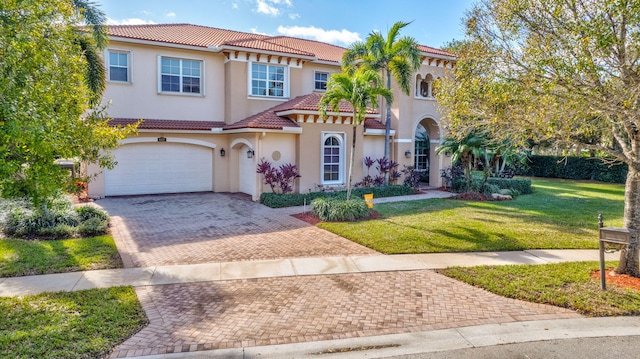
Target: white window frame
[
  {"x": 342, "y": 139},
  {"x": 181, "y": 93},
  {"x": 325, "y": 82},
  {"x": 285, "y": 85},
  {"x": 107, "y": 57}
]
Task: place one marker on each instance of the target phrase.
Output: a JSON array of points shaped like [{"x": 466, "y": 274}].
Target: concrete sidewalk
[{"x": 193, "y": 273}]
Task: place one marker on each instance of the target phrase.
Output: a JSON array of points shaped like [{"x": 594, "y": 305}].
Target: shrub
[
  {"x": 93, "y": 227},
  {"x": 522, "y": 185},
  {"x": 281, "y": 177},
  {"x": 89, "y": 212},
  {"x": 275, "y": 200},
  {"x": 571, "y": 167},
  {"x": 334, "y": 209},
  {"x": 60, "y": 220},
  {"x": 58, "y": 231}
]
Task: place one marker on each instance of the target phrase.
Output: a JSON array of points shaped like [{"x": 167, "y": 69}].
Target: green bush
[
  {"x": 275, "y": 200},
  {"x": 61, "y": 220},
  {"x": 88, "y": 212},
  {"x": 572, "y": 167},
  {"x": 58, "y": 231},
  {"x": 522, "y": 185},
  {"x": 93, "y": 227},
  {"x": 493, "y": 185},
  {"x": 335, "y": 210}
]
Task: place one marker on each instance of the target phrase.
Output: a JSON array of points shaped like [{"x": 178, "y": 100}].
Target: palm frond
[{"x": 95, "y": 19}]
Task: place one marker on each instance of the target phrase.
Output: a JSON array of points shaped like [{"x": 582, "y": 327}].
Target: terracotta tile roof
[
  {"x": 267, "y": 45},
  {"x": 433, "y": 50},
  {"x": 152, "y": 124},
  {"x": 269, "y": 119},
  {"x": 204, "y": 36},
  {"x": 182, "y": 34},
  {"x": 323, "y": 51},
  {"x": 373, "y": 124},
  {"x": 310, "y": 103}
]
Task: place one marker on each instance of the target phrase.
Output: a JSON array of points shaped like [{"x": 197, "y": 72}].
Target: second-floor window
[
  {"x": 118, "y": 65},
  {"x": 321, "y": 79},
  {"x": 180, "y": 75},
  {"x": 268, "y": 80}
]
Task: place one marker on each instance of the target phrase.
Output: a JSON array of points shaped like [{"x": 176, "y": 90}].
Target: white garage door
[{"x": 148, "y": 168}]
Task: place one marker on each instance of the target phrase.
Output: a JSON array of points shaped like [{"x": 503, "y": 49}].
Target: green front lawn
[
  {"x": 559, "y": 214},
  {"x": 567, "y": 285},
  {"x": 84, "y": 324},
  {"x": 19, "y": 257}
]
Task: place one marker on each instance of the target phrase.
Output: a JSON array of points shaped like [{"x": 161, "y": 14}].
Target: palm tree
[
  {"x": 466, "y": 150},
  {"x": 398, "y": 56},
  {"x": 361, "y": 88},
  {"x": 91, "y": 43}
]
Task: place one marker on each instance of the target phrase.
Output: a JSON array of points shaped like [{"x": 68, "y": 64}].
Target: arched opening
[
  {"x": 421, "y": 153},
  {"x": 426, "y": 139}
]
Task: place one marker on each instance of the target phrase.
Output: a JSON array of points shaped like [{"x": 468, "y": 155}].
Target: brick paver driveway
[
  {"x": 213, "y": 227},
  {"x": 203, "y": 316}
]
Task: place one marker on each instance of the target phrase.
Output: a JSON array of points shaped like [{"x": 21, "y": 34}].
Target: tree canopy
[
  {"x": 565, "y": 71},
  {"x": 394, "y": 55},
  {"x": 45, "y": 103}
]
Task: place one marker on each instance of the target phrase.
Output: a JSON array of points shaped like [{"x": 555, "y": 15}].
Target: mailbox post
[{"x": 621, "y": 237}]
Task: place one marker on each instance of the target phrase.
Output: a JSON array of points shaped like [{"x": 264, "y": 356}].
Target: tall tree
[
  {"x": 556, "y": 71},
  {"x": 45, "y": 103},
  {"x": 361, "y": 89},
  {"x": 393, "y": 55}
]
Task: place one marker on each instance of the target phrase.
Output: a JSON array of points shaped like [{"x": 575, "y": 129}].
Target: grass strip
[{"x": 84, "y": 324}]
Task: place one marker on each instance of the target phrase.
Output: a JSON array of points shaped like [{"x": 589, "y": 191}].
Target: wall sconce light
[
  {"x": 250, "y": 153},
  {"x": 222, "y": 152},
  {"x": 162, "y": 139},
  {"x": 407, "y": 154}
]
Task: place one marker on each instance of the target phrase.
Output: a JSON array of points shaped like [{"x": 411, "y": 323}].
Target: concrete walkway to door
[{"x": 195, "y": 228}]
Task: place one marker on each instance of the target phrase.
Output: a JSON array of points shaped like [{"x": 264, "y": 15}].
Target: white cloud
[
  {"x": 234, "y": 6},
  {"x": 130, "y": 21},
  {"x": 171, "y": 14},
  {"x": 265, "y": 8},
  {"x": 294, "y": 16},
  {"x": 332, "y": 36},
  {"x": 254, "y": 30}
]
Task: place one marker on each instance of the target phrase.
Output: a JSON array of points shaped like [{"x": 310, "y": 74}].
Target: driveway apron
[{"x": 213, "y": 227}]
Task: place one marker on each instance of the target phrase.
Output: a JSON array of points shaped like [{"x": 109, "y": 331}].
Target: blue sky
[{"x": 435, "y": 22}]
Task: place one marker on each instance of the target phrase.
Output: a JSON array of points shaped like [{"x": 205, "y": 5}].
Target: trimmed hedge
[
  {"x": 493, "y": 185},
  {"x": 575, "y": 168},
  {"x": 276, "y": 200},
  {"x": 335, "y": 209}
]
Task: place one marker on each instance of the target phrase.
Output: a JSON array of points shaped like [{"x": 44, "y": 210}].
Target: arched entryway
[
  {"x": 243, "y": 156},
  {"x": 426, "y": 139}
]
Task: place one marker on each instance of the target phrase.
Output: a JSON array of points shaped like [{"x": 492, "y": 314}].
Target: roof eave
[
  {"x": 285, "y": 129},
  {"x": 162, "y": 43},
  {"x": 267, "y": 52}
]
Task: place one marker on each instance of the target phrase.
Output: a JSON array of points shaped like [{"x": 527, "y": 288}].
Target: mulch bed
[
  {"x": 620, "y": 280},
  {"x": 313, "y": 220}
]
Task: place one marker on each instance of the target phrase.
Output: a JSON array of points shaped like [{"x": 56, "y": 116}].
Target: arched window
[
  {"x": 332, "y": 158},
  {"x": 426, "y": 86},
  {"x": 421, "y": 151},
  {"x": 418, "y": 85}
]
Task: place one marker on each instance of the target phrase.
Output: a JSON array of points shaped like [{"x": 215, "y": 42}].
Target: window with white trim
[
  {"x": 268, "y": 80},
  {"x": 320, "y": 83},
  {"x": 118, "y": 65},
  {"x": 333, "y": 155},
  {"x": 180, "y": 75}
]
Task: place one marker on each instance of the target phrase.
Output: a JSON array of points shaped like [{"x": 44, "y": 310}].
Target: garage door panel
[{"x": 148, "y": 168}]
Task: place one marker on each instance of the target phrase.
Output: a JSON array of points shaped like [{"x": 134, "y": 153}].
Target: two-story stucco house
[{"x": 214, "y": 102}]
